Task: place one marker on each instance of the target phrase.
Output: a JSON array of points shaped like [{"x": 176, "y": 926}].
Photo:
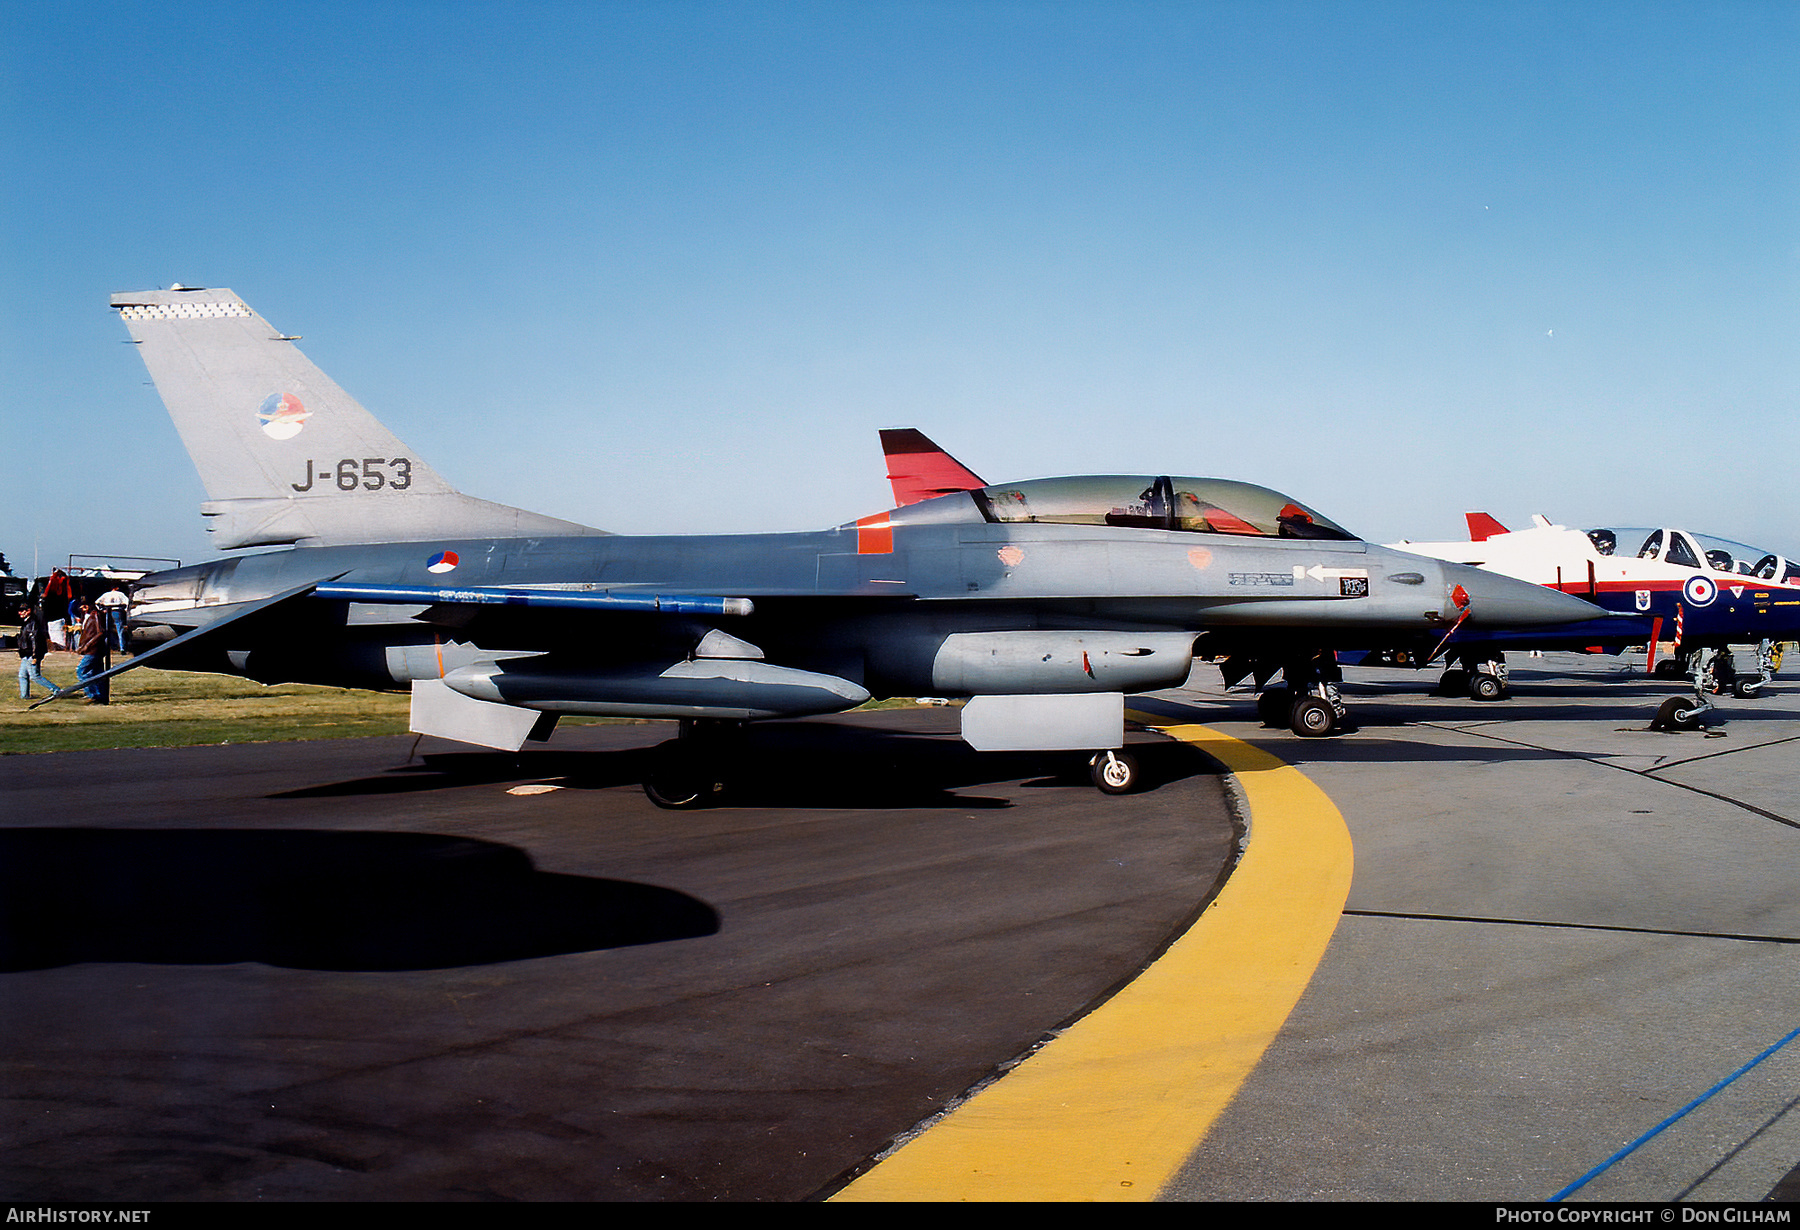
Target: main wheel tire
[
  {"x": 678, "y": 780},
  {"x": 678, "y": 791},
  {"x": 1453, "y": 682},
  {"x": 1747, "y": 689},
  {"x": 1677, "y": 714},
  {"x": 1486, "y": 687},
  {"x": 1115, "y": 773},
  {"x": 1669, "y": 668},
  {"x": 1274, "y": 706},
  {"x": 1312, "y": 718}
]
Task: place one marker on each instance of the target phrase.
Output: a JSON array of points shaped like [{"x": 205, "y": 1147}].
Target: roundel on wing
[
  {"x": 282, "y": 416},
  {"x": 1699, "y": 590},
  {"x": 443, "y": 561}
]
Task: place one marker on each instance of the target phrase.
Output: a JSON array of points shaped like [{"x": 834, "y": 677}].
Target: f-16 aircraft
[
  {"x": 1707, "y": 594},
  {"x": 1043, "y": 602}
]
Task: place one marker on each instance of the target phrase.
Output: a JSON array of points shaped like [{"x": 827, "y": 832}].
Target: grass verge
[{"x": 152, "y": 708}]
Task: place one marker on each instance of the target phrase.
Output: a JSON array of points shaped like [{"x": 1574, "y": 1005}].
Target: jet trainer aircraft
[
  {"x": 1043, "y": 602},
  {"x": 1705, "y": 593}
]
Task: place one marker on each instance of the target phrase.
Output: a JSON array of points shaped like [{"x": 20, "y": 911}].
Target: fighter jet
[{"x": 1041, "y": 602}]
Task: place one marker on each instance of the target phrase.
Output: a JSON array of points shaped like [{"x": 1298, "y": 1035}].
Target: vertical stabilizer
[
  {"x": 285, "y": 454},
  {"x": 1483, "y": 527},
  {"x": 919, "y": 470}
]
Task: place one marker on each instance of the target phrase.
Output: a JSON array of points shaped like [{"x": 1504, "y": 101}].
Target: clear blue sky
[{"x": 670, "y": 265}]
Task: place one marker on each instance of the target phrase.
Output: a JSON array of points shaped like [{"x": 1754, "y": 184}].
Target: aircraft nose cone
[{"x": 1500, "y": 601}]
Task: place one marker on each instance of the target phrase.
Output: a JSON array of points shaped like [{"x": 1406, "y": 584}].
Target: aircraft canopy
[
  {"x": 1690, "y": 550},
  {"x": 1195, "y": 505}
]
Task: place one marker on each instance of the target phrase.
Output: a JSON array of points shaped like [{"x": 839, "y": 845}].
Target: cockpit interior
[
  {"x": 1698, "y": 551},
  {"x": 1193, "y": 505}
]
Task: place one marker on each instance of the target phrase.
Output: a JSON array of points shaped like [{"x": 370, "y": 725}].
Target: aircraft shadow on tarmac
[
  {"x": 307, "y": 899},
  {"x": 791, "y": 765}
]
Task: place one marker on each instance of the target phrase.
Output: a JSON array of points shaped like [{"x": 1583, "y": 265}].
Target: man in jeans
[
  {"x": 91, "y": 645},
  {"x": 31, "y": 655},
  {"x": 113, "y": 605}
]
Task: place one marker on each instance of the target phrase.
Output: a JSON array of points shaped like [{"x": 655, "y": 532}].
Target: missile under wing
[{"x": 1041, "y": 602}]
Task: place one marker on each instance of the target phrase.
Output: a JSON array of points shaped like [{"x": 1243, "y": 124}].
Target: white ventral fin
[{"x": 436, "y": 710}]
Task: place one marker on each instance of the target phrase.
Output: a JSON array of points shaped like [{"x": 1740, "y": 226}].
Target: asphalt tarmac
[
  {"x": 1563, "y": 929},
  {"x": 1566, "y": 963},
  {"x": 334, "y": 971}
]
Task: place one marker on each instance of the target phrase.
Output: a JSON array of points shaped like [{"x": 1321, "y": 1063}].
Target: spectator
[
  {"x": 92, "y": 648},
  {"x": 113, "y": 605},
  {"x": 31, "y": 655}
]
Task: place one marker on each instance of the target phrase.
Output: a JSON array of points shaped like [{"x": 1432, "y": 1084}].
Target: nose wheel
[{"x": 1678, "y": 714}]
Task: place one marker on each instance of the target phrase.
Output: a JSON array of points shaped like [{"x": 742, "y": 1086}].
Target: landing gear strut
[
  {"x": 694, "y": 770},
  {"x": 1115, "y": 772},
  {"x": 1481, "y": 676},
  {"x": 1710, "y": 671},
  {"x": 1309, "y": 702}
]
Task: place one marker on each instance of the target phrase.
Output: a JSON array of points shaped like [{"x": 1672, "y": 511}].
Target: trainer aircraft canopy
[{"x": 1690, "y": 550}]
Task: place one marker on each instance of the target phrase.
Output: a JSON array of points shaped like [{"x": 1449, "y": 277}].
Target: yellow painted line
[{"x": 1112, "y": 1108}]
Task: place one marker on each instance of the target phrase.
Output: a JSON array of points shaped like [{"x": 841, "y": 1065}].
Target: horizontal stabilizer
[
  {"x": 919, "y": 470},
  {"x": 287, "y": 456}
]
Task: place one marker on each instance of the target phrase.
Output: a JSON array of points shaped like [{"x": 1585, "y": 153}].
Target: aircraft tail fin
[
  {"x": 920, "y": 470},
  {"x": 1483, "y": 527},
  {"x": 286, "y": 455}
]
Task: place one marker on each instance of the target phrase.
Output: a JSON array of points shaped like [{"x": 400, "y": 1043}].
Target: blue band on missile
[{"x": 669, "y": 604}]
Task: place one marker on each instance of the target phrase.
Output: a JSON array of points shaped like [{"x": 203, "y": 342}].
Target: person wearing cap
[
  {"x": 91, "y": 645},
  {"x": 31, "y": 655}
]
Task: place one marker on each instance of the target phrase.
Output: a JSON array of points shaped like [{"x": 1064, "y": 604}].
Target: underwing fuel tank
[
  {"x": 1038, "y": 662},
  {"x": 729, "y": 689}
]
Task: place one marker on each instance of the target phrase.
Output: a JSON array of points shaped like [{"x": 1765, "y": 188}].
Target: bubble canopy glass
[{"x": 1194, "y": 505}]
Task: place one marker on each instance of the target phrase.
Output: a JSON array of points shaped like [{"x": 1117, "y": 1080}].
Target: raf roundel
[
  {"x": 282, "y": 416},
  {"x": 443, "y": 561},
  {"x": 1699, "y": 591}
]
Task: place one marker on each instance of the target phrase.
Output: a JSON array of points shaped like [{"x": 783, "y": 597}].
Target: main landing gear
[
  {"x": 694, "y": 769},
  {"x": 1714, "y": 671},
  {"x": 1479, "y": 676},
  {"x": 698, "y": 768},
  {"x": 1309, "y": 703}
]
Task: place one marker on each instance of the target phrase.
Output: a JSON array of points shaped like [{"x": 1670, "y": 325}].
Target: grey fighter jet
[{"x": 1042, "y": 602}]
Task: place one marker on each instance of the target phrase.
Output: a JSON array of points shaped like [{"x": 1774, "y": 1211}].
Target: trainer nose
[{"x": 1497, "y": 601}]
